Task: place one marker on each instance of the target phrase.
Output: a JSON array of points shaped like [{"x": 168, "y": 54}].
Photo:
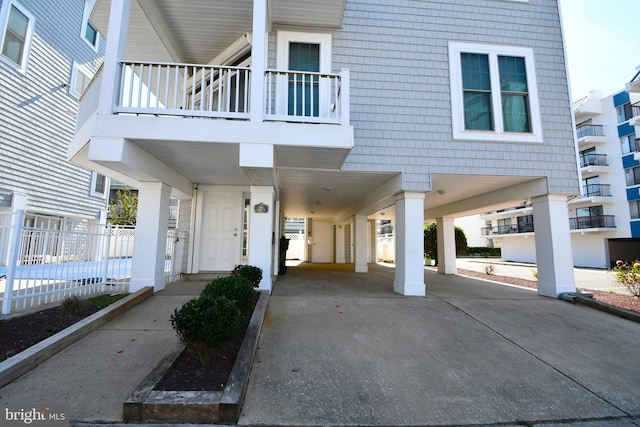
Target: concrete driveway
[{"x": 340, "y": 348}]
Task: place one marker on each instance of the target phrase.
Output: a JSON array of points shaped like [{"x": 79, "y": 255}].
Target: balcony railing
[
  {"x": 593, "y": 160},
  {"x": 184, "y": 90},
  {"x": 215, "y": 91},
  {"x": 88, "y": 103},
  {"x": 596, "y": 221},
  {"x": 635, "y": 109},
  {"x": 589, "y": 130},
  {"x": 525, "y": 227},
  {"x": 596, "y": 190}
]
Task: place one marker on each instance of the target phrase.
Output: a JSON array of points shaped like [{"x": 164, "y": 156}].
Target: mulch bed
[
  {"x": 19, "y": 333},
  {"x": 627, "y": 302},
  {"x": 186, "y": 373}
]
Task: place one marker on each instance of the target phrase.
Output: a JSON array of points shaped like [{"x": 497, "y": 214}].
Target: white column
[
  {"x": 258, "y": 60},
  {"x": 360, "y": 244},
  {"x": 18, "y": 203},
  {"x": 554, "y": 254},
  {"x": 409, "y": 235},
  {"x": 446, "y": 236},
  {"x": 114, "y": 52},
  {"x": 149, "y": 249},
  {"x": 261, "y": 235}
]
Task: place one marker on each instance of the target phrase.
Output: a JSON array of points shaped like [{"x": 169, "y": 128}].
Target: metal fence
[{"x": 45, "y": 259}]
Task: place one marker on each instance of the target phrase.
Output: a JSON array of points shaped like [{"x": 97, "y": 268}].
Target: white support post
[
  {"x": 409, "y": 234},
  {"x": 149, "y": 248},
  {"x": 114, "y": 53},
  {"x": 15, "y": 239},
  {"x": 554, "y": 254},
  {"x": 340, "y": 244},
  {"x": 360, "y": 244},
  {"x": 446, "y": 237},
  {"x": 261, "y": 234},
  {"x": 258, "y": 60}
]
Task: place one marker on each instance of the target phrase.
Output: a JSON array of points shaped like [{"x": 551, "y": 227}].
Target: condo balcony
[
  {"x": 635, "y": 112},
  {"x": 501, "y": 230},
  {"x": 592, "y": 194},
  {"x": 590, "y": 134},
  {"x": 592, "y": 223},
  {"x": 591, "y": 163}
]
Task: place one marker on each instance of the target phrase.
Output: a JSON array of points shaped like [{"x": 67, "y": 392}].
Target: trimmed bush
[
  {"x": 249, "y": 272},
  {"x": 234, "y": 288},
  {"x": 481, "y": 251},
  {"x": 204, "y": 323}
]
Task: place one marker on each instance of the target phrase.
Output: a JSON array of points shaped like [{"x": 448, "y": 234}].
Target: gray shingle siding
[
  {"x": 400, "y": 88},
  {"x": 37, "y": 114}
]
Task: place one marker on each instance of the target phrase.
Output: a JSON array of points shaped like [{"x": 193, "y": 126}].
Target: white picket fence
[{"x": 44, "y": 259}]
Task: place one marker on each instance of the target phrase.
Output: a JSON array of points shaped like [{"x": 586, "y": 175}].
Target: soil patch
[
  {"x": 186, "y": 373},
  {"x": 627, "y": 302},
  {"x": 19, "y": 333}
]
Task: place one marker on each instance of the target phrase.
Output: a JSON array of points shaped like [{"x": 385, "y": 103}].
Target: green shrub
[
  {"x": 234, "y": 288},
  {"x": 204, "y": 323},
  {"x": 431, "y": 241},
  {"x": 249, "y": 272},
  {"x": 628, "y": 275},
  {"x": 482, "y": 251}
]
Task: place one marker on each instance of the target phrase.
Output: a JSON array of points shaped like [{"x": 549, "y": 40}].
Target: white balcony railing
[
  {"x": 184, "y": 90},
  {"x": 303, "y": 96},
  {"x": 214, "y": 91}
]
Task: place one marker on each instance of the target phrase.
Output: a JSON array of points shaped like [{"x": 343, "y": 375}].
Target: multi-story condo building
[
  {"x": 604, "y": 218},
  {"x": 339, "y": 111},
  {"x": 48, "y": 54}
]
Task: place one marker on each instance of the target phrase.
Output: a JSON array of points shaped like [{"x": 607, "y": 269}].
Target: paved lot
[{"x": 472, "y": 352}]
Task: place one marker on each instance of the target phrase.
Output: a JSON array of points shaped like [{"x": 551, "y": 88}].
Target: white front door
[
  {"x": 321, "y": 246},
  {"x": 221, "y": 231}
]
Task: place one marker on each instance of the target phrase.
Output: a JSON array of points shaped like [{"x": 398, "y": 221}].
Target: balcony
[
  {"x": 221, "y": 92},
  {"x": 592, "y": 194},
  {"x": 590, "y": 134},
  {"x": 592, "y": 163},
  {"x": 635, "y": 114},
  {"x": 592, "y": 222},
  {"x": 526, "y": 227}
]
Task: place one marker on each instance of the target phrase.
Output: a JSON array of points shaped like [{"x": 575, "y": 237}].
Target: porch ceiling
[{"x": 196, "y": 31}]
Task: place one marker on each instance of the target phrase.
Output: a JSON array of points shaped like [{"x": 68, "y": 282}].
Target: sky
[{"x": 602, "y": 39}]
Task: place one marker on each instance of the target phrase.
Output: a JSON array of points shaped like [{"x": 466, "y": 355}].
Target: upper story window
[
  {"x": 89, "y": 32},
  {"x": 99, "y": 187},
  {"x": 624, "y": 112},
  {"x": 16, "y": 30},
  {"x": 633, "y": 176},
  {"x": 629, "y": 144},
  {"x": 80, "y": 79},
  {"x": 493, "y": 93}
]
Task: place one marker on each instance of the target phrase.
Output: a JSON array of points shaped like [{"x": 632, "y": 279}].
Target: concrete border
[
  {"x": 608, "y": 308},
  {"x": 148, "y": 405},
  {"x": 19, "y": 364}
]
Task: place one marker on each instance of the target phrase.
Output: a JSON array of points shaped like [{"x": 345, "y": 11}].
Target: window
[
  {"x": 88, "y": 31},
  {"x": 525, "y": 224},
  {"x": 634, "y": 209},
  {"x": 99, "y": 185},
  {"x": 16, "y": 29},
  {"x": 633, "y": 176},
  {"x": 624, "y": 112},
  {"x": 80, "y": 79},
  {"x": 493, "y": 93},
  {"x": 629, "y": 143}
]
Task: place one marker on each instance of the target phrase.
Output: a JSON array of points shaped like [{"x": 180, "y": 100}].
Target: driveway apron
[{"x": 340, "y": 348}]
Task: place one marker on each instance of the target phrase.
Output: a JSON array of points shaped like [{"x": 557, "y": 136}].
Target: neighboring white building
[
  {"x": 250, "y": 111},
  {"x": 49, "y": 53},
  {"x": 605, "y": 217}
]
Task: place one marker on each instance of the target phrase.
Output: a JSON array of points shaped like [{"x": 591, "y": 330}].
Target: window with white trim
[
  {"x": 80, "y": 79},
  {"x": 16, "y": 31},
  {"x": 88, "y": 32},
  {"x": 493, "y": 93},
  {"x": 99, "y": 185}
]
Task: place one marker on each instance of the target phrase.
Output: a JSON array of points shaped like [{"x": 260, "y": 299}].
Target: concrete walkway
[
  {"x": 472, "y": 352},
  {"x": 340, "y": 348}
]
